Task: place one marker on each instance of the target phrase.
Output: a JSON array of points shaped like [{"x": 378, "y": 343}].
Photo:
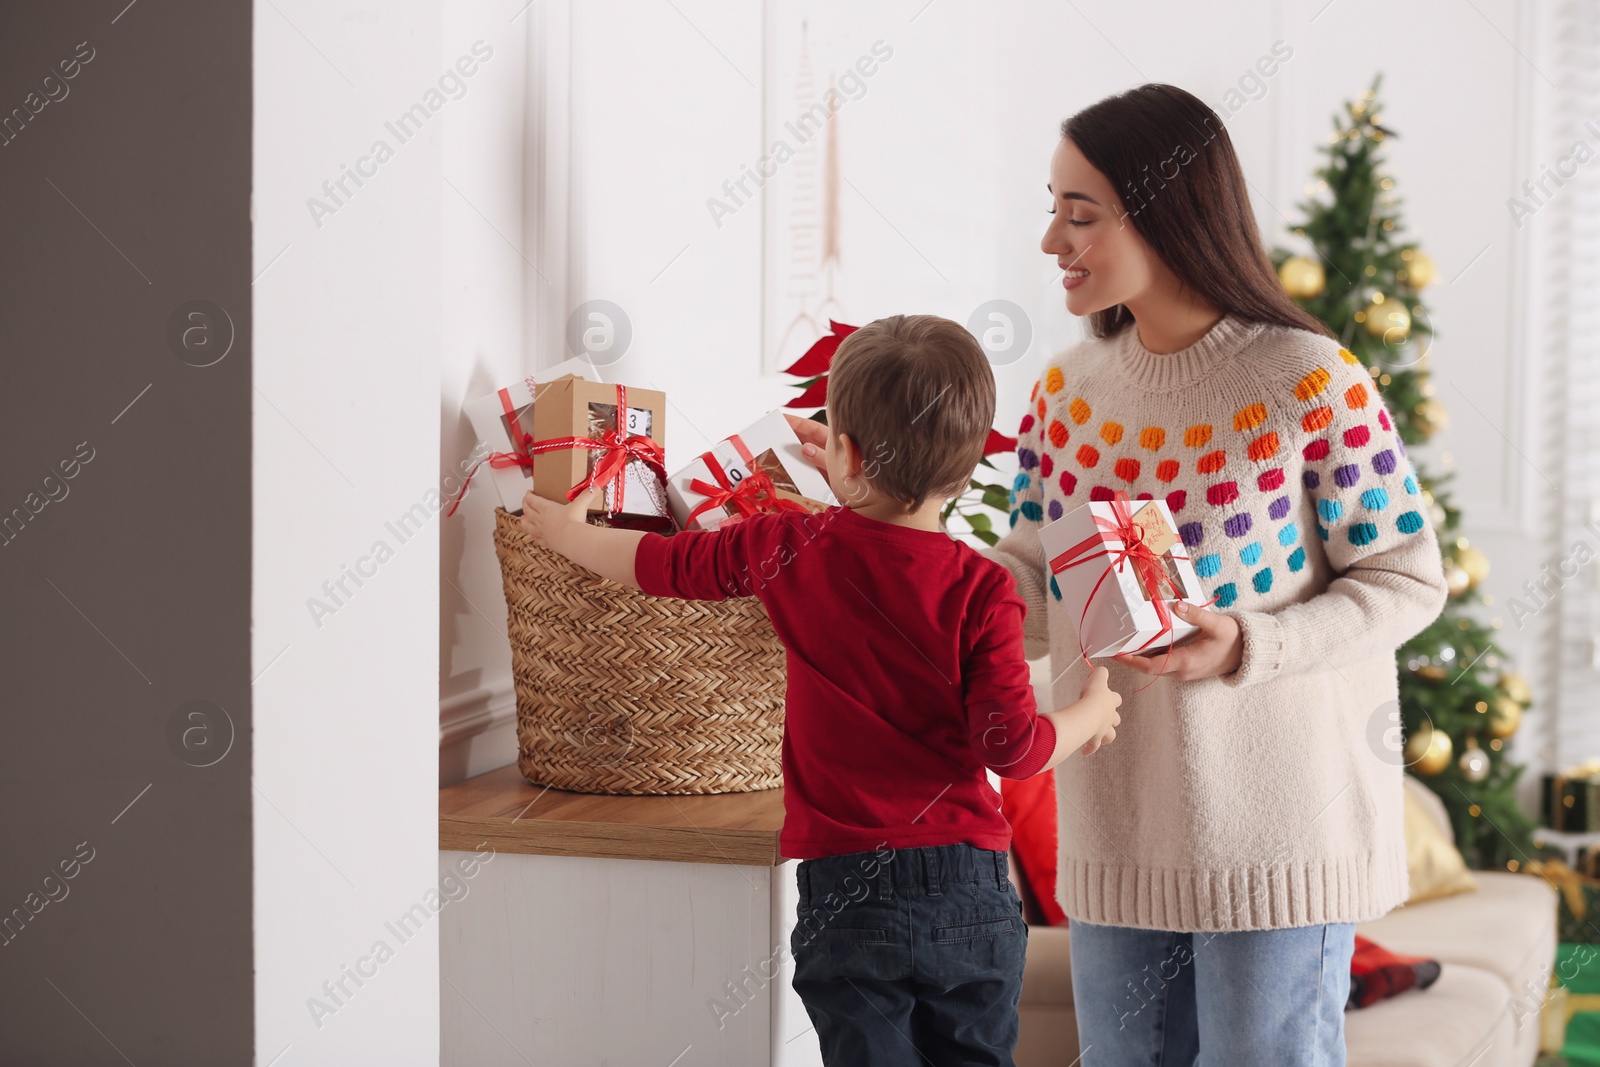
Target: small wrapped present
[
  {"x": 761, "y": 468},
  {"x": 1119, "y": 564},
  {"x": 1570, "y": 801},
  {"x": 590, "y": 433},
  {"x": 1578, "y": 900},
  {"x": 503, "y": 421}
]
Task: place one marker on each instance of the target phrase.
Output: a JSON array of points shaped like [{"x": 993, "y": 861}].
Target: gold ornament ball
[
  {"x": 1420, "y": 271},
  {"x": 1302, "y": 277},
  {"x": 1389, "y": 320},
  {"x": 1474, "y": 762},
  {"x": 1505, "y": 718},
  {"x": 1431, "y": 416},
  {"x": 1432, "y": 672},
  {"x": 1515, "y": 686},
  {"x": 1428, "y": 751},
  {"x": 1457, "y": 579},
  {"x": 1475, "y": 563}
]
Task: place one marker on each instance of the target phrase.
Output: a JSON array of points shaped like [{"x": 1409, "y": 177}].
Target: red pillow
[
  {"x": 1376, "y": 973},
  {"x": 1029, "y": 805}
]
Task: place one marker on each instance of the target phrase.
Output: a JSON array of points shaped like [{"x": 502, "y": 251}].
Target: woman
[{"x": 1215, "y": 859}]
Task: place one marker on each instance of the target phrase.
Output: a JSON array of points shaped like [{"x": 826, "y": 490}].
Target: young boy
[{"x": 906, "y": 680}]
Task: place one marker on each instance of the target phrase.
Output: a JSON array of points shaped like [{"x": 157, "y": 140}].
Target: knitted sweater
[{"x": 1265, "y": 798}]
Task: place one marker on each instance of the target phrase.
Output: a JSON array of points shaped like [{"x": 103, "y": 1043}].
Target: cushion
[
  {"x": 1432, "y": 859},
  {"x": 1048, "y": 1024},
  {"x": 1047, "y": 975},
  {"x": 1464, "y": 1018},
  {"x": 1506, "y": 928},
  {"x": 1377, "y": 973}
]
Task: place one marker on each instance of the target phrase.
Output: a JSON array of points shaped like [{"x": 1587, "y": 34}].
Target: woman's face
[{"x": 1105, "y": 261}]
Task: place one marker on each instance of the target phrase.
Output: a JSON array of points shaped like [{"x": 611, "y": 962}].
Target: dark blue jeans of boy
[{"x": 910, "y": 956}]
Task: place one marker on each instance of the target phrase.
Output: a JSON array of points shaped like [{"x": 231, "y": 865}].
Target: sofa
[{"x": 1496, "y": 945}]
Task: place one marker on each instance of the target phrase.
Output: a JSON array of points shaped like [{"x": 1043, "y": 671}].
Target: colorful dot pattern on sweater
[{"x": 1319, "y": 450}]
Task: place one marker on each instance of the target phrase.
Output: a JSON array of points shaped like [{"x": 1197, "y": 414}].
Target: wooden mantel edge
[{"x": 758, "y": 848}]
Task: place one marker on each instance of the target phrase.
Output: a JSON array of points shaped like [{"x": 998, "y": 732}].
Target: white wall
[
  {"x": 487, "y": 258},
  {"x": 347, "y": 371}
]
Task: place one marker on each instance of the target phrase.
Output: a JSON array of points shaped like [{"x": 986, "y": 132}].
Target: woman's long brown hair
[{"x": 1171, "y": 161}]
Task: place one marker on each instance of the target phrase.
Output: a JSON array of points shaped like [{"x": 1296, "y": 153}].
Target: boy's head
[{"x": 910, "y": 404}]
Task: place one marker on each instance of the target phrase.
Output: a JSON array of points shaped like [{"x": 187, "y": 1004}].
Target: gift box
[
  {"x": 1119, "y": 565},
  {"x": 1578, "y": 900},
  {"x": 1572, "y": 1018},
  {"x": 503, "y": 421},
  {"x": 1570, "y": 801},
  {"x": 591, "y": 433},
  {"x": 761, "y": 468}
]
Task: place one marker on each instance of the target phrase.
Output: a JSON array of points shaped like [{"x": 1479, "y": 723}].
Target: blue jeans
[
  {"x": 1271, "y": 997},
  {"x": 910, "y": 956}
]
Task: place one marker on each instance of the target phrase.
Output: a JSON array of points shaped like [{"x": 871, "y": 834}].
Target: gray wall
[{"x": 125, "y": 533}]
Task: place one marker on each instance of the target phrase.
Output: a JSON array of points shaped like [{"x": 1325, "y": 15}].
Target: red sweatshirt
[{"x": 906, "y": 673}]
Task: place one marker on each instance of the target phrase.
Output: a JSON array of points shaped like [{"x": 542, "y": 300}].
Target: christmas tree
[{"x": 1459, "y": 702}]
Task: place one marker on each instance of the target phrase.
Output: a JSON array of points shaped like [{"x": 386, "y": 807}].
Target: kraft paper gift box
[
  {"x": 767, "y": 448},
  {"x": 1121, "y": 615},
  {"x": 576, "y": 435},
  {"x": 502, "y": 419}
]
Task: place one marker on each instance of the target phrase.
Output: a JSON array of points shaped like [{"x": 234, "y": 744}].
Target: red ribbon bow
[
  {"x": 617, "y": 449},
  {"x": 1146, "y": 563},
  {"x": 754, "y": 494}
]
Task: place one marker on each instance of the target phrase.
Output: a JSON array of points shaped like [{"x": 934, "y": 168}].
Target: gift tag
[
  {"x": 602, "y": 417},
  {"x": 1158, "y": 534}
]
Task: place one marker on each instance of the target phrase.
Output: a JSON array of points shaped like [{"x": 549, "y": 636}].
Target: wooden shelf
[{"x": 504, "y": 811}]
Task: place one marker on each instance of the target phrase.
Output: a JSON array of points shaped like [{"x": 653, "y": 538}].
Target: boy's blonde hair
[{"x": 916, "y": 395}]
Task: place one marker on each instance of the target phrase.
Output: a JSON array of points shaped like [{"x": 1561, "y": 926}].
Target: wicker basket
[{"x": 622, "y": 693}]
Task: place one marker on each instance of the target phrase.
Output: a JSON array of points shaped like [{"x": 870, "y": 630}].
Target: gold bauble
[
  {"x": 1302, "y": 277},
  {"x": 1505, "y": 717},
  {"x": 1430, "y": 416},
  {"x": 1457, "y": 579},
  {"x": 1432, "y": 672},
  {"x": 1475, "y": 563},
  {"x": 1515, "y": 686},
  {"x": 1420, "y": 270},
  {"x": 1428, "y": 751},
  {"x": 1389, "y": 320},
  {"x": 1474, "y": 762}
]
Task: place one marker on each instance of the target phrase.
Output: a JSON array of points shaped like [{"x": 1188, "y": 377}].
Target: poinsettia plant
[{"x": 981, "y": 498}]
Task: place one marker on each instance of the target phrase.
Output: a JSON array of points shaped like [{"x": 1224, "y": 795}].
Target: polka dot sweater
[{"x": 1265, "y": 798}]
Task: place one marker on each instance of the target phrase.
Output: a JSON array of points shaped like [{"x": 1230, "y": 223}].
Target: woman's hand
[
  {"x": 813, "y": 440},
  {"x": 1216, "y": 650}
]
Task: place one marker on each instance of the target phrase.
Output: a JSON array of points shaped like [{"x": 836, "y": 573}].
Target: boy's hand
[
  {"x": 1098, "y": 693},
  {"x": 552, "y": 524}
]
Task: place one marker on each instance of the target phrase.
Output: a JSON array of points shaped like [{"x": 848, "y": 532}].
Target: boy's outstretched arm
[
  {"x": 1089, "y": 723},
  {"x": 561, "y": 528}
]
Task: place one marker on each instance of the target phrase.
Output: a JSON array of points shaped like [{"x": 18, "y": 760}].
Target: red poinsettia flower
[
  {"x": 819, "y": 357},
  {"x": 999, "y": 442},
  {"x": 814, "y": 394}
]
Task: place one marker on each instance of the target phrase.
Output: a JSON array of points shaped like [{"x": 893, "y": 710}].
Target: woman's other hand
[
  {"x": 813, "y": 441},
  {"x": 1217, "y": 649}
]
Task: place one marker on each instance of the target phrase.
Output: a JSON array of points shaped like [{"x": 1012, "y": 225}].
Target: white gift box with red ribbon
[
  {"x": 761, "y": 468},
  {"x": 1096, "y": 554},
  {"x": 502, "y": 418}
]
